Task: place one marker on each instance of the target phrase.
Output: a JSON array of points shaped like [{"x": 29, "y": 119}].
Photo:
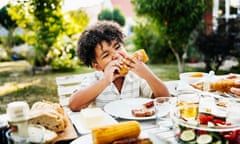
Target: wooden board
[{"x": 68, "y": 134}]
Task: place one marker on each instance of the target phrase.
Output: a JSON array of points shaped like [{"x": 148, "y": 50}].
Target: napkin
[{"x": 183, "y": 86}]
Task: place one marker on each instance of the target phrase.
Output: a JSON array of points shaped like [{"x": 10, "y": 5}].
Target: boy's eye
[
  {"x": 118, "y": 46},
  {"x": 106, "y": 55}
]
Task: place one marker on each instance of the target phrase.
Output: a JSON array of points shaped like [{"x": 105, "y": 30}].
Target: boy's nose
[{"x": 116, "y": 56}]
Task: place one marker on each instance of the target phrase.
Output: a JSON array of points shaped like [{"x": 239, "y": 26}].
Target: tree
[
  {"x": 7, "y": 22},
  {"x": 42, "y": 21},
  {"x": 114, "y": 15},
  {"x": 179, "y": 19},
  {"x": 219, "y": 45},
  {"x": 147, "y": 35},
  {"x": 75, "y": 21}
]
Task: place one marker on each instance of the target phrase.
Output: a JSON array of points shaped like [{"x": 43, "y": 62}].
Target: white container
[{"x": 192, "y": 77}]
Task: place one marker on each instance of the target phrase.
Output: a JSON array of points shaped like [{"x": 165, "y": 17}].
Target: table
[
  {"x": 148, "y": 127},
  {"x": 159, "y": 134}
]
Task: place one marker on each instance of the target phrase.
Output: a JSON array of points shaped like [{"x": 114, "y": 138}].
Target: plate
[
  {"x": 82, "y": 127},
  {"x": 172, "y": 86},
  {"x": 87, "y": 139},
  {"x": 122, "y": 108}
]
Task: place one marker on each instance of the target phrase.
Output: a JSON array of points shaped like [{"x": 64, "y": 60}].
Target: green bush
[
  {"x": 63, "y": 55},
  {"x": 114, "y": 15},
  {"x": 63, "y": 63}
]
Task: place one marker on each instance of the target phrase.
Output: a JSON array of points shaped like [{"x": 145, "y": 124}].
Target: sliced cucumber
[
  {"x": 211, "y": 124},
  {"x": 204, "y": 139},
  {"x": 187, "y": 135},
  {"x": 218, "y": 142}
]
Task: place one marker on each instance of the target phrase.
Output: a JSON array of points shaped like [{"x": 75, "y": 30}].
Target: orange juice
[{"x": 188, "y": 110}]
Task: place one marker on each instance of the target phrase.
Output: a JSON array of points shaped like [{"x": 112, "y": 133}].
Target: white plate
[
  {"x": 87, "y": 139},
  {"x": 81, "y": 126},
  {"x": 172, "y": 86},
  {"x": 122, "y": 108}
]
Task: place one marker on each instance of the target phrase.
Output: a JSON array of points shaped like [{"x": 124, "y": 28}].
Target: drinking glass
[
  {"x": 35, "y": 135},
  {"x": 207, "y": 103},
  {"x": 162, "y": 109},
  {"x": 189, "y": 100},
  {"x": 233, "y": 111}
]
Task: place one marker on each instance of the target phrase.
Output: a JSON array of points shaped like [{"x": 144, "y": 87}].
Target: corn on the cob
[
  {"x": 108, "y": 134},
  {"x": 140, "y": 55}
]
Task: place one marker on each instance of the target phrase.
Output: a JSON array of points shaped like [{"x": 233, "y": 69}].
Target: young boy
[{"x": 101, "y": 47}]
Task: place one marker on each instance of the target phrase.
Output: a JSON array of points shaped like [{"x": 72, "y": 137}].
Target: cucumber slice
[
  {"x": 204, "y": 139},
  {"x": 187, "y": 135}
]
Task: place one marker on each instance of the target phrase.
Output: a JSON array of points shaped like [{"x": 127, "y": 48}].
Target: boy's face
[{"x": 105, "y": 53}]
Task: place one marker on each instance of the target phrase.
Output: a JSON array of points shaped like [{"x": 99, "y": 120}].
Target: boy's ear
[{"x": 97, "y": 67}]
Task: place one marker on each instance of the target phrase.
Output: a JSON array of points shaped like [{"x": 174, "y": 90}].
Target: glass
[
  {"x": 162, "y": 107},
  {"x": 35, "y": 135},
  {"x": 233, "y": 111},
  {"x": 191, "y": 100},
  {"x": 207, "y": 103}
]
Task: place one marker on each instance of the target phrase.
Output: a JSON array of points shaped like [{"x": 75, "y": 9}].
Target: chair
[{"x": 67, "y": 85}]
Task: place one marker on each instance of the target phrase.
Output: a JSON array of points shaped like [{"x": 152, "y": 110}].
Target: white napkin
[{"x": 183, "y": 86}]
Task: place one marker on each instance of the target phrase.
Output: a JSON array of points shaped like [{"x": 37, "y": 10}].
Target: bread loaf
[
  {"x": 49, "y": 115},
  {"x": 140, "y": 55},
  {"x": 109, "y": 134},
  {"x": 223, "y": 85}
]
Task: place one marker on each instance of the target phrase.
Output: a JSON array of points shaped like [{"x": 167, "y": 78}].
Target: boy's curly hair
[{"x": 101, "y": 31}]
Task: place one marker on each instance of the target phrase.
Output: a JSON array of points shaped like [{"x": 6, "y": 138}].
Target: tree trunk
[{"x": 180, "y": 61}]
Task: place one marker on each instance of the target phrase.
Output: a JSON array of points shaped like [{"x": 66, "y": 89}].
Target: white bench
[{"x": 67, "y": 85}]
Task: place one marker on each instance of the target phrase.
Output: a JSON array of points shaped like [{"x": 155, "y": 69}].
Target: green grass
[{"x": 17, "y": 84}]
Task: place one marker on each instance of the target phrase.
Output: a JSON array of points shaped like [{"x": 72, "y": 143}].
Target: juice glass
[{"x": 189, "y": 100}]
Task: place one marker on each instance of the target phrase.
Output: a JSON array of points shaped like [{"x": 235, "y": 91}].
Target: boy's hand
[
  {"x": 236, "y": 91},
  {"x": 138, "y": 67},
  {"x": 111, "y": 71}
]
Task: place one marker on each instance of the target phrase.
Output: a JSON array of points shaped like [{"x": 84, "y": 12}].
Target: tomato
[
  {"x": 200, "y": 132},
  {"x": 230, "y": 135},
  {"x": 218, "y": 121},
  {"x": 203, "y": 119},
  {"x": 210, "y": 117}
]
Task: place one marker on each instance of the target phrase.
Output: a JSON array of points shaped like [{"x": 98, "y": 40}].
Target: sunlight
[{"x": 11, "y": 87}]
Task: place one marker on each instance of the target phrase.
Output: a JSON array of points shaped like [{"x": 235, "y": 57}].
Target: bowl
[
  {"x": 205, "y": 129},
  {"x": 192, "y": 77}
]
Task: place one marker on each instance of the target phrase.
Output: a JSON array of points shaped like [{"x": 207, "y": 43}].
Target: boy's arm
[
  {"x": 157, "y": 86},
  {"x": 83, "y": 97}
]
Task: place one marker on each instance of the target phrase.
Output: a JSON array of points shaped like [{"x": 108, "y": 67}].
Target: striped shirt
[{"x": 133, "y": 86}]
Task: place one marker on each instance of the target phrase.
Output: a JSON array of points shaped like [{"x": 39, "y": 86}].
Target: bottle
[
  {"x": 3, "y": 129},
  {"x": 17, "y": 113},
  {"x": 140, "y": 55},
  {"x": 207, "y": 81}
]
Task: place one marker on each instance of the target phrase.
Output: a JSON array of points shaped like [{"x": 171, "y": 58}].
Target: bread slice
[
  {"x": 48, "y": 115},
  {"x": 49, "y": 136}
]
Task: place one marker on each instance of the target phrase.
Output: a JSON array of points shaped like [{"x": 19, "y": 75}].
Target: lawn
[{"x": 18, "y": 84}]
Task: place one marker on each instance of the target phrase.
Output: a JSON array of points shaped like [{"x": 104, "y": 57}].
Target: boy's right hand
[
  {"x": 235, "y": 90},
  {"x": 111, "y": 71}
]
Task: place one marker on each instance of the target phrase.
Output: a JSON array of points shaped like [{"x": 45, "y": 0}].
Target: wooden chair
[{"x": 67, "y": 85}]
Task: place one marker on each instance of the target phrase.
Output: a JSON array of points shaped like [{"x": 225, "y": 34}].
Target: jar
[{"x": 3, "y": 129}]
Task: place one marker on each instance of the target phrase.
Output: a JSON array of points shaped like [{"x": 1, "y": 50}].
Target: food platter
[
  {"x": 122, "y": 108},
  {"x": 82, "y": 127}
]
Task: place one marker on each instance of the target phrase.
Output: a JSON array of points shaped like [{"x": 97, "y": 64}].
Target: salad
[{"x": 206, "y": 129}]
